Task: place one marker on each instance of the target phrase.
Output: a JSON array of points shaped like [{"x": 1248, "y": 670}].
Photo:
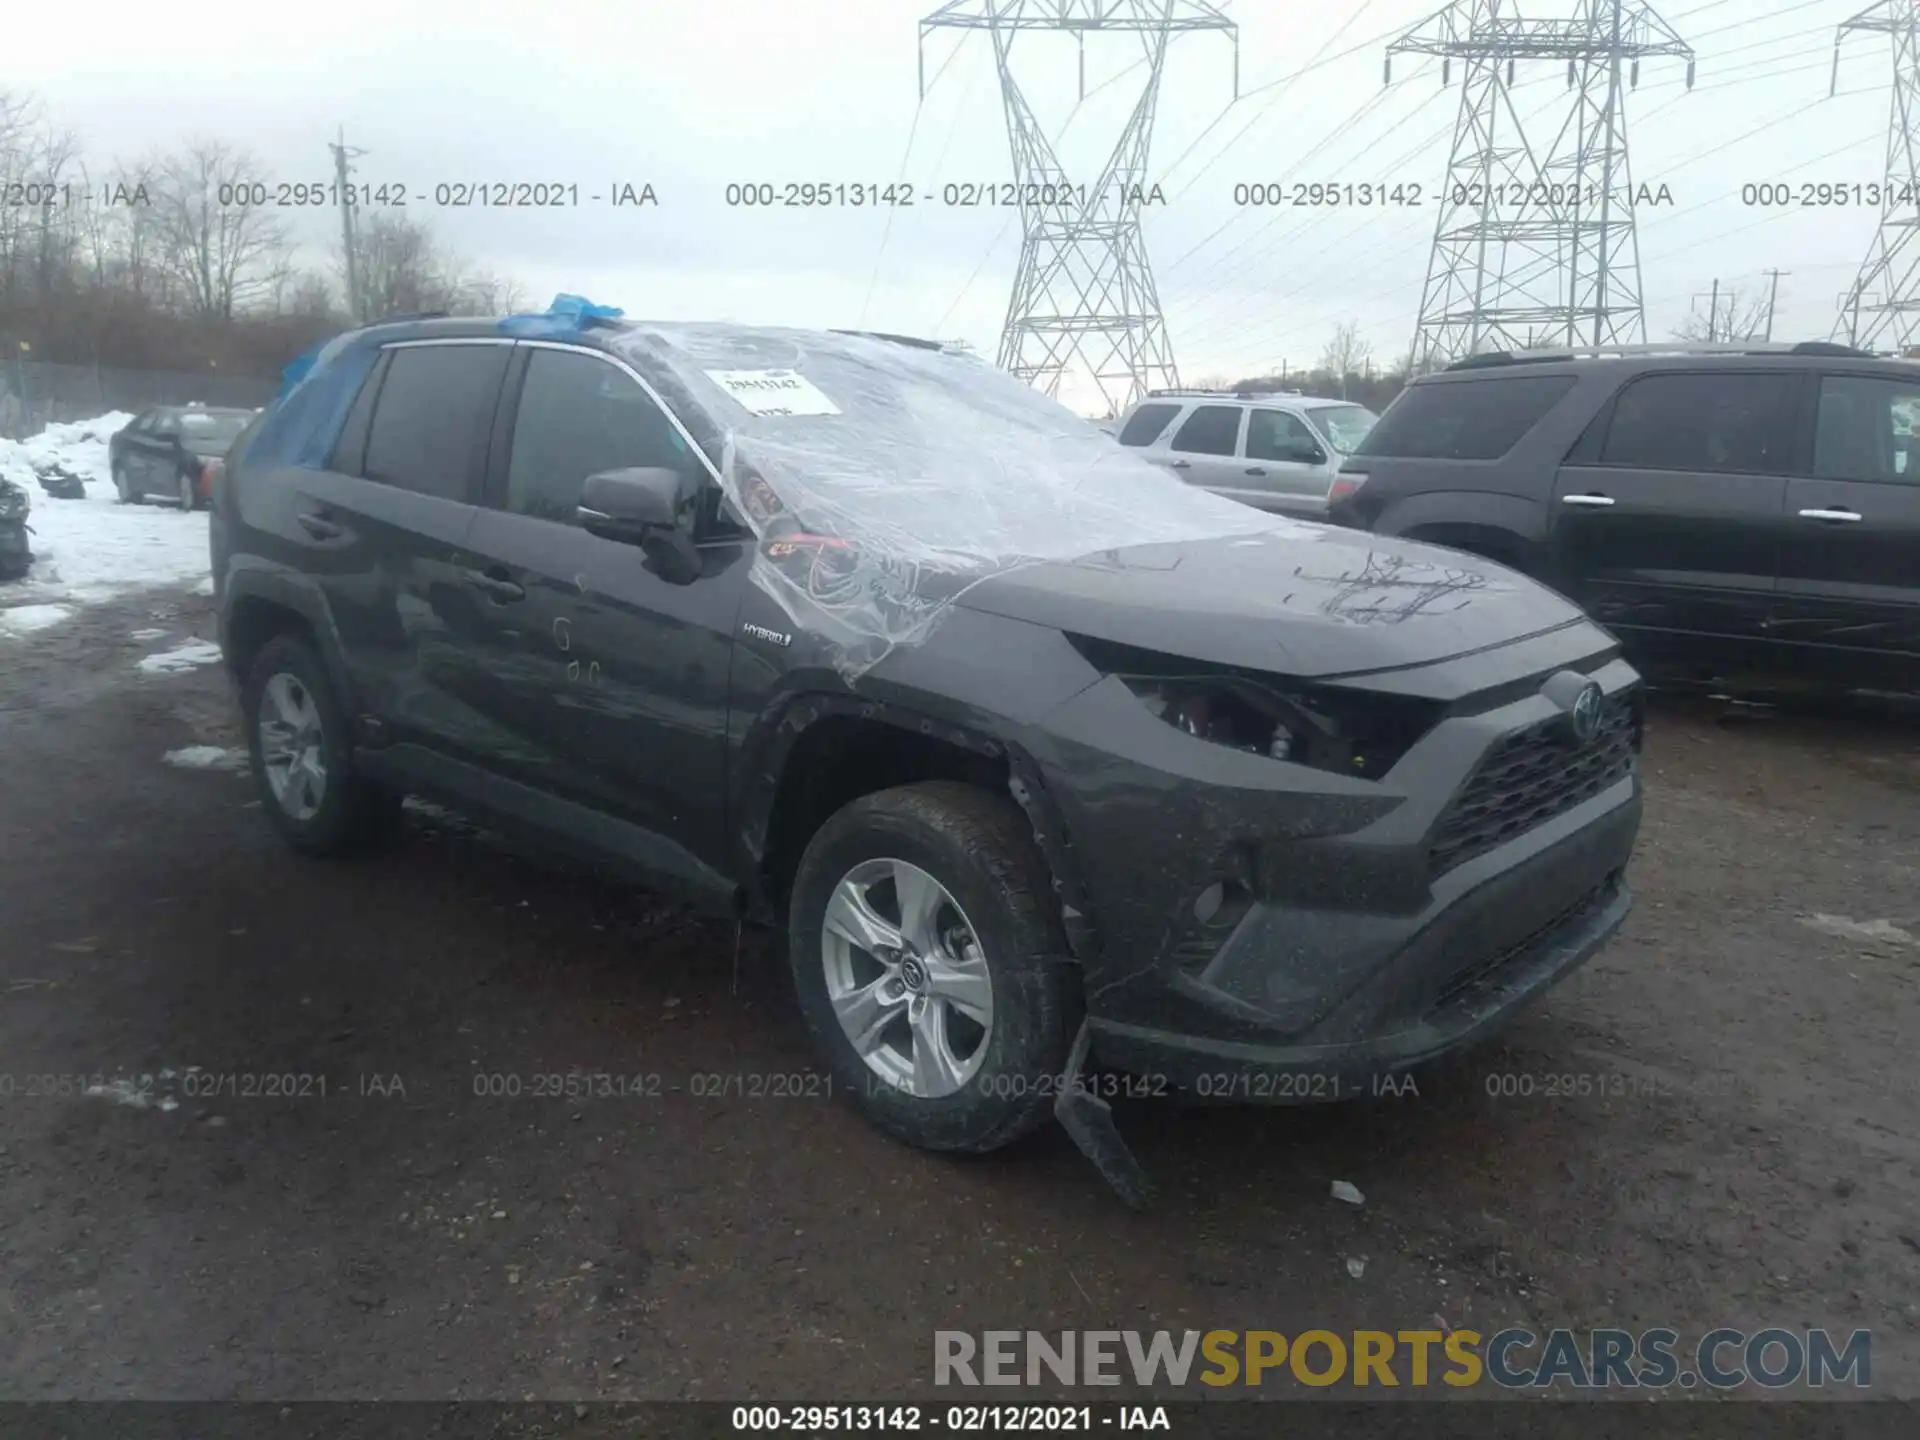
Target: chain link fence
[{"x": 34, "y": 395}]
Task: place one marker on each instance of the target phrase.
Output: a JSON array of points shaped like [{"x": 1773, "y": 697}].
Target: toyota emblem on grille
[
  {"x": 1584, "y": 718},
  {"x": 1581, "y": 701}
]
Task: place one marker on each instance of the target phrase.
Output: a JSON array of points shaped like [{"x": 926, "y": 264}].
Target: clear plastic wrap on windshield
[{"x": 883, "y": 479}]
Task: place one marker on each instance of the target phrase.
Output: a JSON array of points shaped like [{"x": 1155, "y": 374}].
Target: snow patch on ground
[
  {"x": 25, "y": 619},
  {"x": 1845, "y": 929},
  {"x": 134, "y": 1094},
  {"x": 91, "y": 549},
  {"x": 167, "y": 662},
  {"x": 148, "y": 635},
  {"x": 78, "y": 445},
  {"x": 207, "y": 757}
]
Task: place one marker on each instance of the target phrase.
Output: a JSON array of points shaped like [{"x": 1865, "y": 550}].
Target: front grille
[{"x": 1531, "y": 776}]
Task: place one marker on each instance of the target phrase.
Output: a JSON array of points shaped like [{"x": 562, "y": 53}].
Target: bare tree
[
  {"x": 223, "y": 251},
  {"x": 1733, "y": 315},
  {"x": 1346, "y": 354},
  {"x": 485, "y": 293}
]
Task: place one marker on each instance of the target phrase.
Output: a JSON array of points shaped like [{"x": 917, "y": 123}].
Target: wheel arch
[
  {"x": 259, "y": 605},
  {"x": 1505, "y": 528},
  {"x": 821, "y": 752}
]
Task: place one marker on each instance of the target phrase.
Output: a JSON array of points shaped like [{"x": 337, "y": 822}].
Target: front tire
[
  {"x": 931, "y": 967},
  {"x": 302, "y": 757},
  {"x": 123, "y": 491}
]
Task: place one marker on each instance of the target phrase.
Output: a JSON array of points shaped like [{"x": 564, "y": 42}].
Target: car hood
[{"x": 1313, "y": 601}]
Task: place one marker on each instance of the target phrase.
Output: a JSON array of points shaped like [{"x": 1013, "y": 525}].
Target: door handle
[
  {"x": 319, "y": 527},
  {"x": 1177, "y": 465},
  {"x": 1256, "y": 470},
  {"x": 1848, "y": 517},
  {"x": 1595, "y": 500},
  {"x": 494, "y": 583}
]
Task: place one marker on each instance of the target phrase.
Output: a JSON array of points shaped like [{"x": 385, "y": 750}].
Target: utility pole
[
  {"x": 1773, "y": 296},
  {"x": 1083, "y": 296},
  {"x": 343, "y": 180},
  {"x": 1883, "y": 306},
  {"x": 1536, "y": 239},
  {"x": 1713, "y": 312}
]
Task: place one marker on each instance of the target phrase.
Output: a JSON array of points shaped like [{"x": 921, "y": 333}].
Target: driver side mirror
[{"x": 648, "y": 506}]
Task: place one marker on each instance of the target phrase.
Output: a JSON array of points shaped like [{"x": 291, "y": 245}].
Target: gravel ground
[{"x": 1741, "y": 1151}]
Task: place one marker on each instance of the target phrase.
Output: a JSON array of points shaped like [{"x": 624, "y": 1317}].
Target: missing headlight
[
  {"x": 1333, "y": 728},
  {"x": 1224, "y": 712}
]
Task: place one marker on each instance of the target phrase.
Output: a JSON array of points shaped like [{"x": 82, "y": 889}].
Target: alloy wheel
[
  {"x": 907, "y": 978},
  {"x": 293, "y": 746}
]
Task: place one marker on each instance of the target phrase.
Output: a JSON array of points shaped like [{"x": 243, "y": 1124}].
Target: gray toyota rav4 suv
[{"x": 1037, "y": 756}]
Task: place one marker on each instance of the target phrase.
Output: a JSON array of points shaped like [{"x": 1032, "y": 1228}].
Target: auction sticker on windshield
[{"x": 774, "y": 392}]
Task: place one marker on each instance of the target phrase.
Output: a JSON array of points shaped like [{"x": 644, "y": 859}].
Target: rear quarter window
[
  {"x": 1479, "y": 419},
  {"x": 1143, "y": 427}
]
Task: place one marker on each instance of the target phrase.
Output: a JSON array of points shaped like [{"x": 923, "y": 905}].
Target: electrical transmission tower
[
  {"x": 1880, "y": 310},
  {"x": 1534, "y": 242},
  {"x": 1083, "y": 296}
]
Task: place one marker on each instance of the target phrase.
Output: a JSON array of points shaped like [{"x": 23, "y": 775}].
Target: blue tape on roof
[
  {"x": 567, "y": 315},
  {"x": 296, "y": 369},
  {"x": 305, "y": 422}
]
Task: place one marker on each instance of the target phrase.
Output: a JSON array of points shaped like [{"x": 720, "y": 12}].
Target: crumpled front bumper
[{"x": 1351, "y": 954}]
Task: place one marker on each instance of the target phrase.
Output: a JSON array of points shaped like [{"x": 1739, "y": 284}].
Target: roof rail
[
  {"x": 1244, "y": 393},
  {"x": 1549, "y": 353},
  {"x": 912, "y": 340},
  {"x": 409, "y": 315}
]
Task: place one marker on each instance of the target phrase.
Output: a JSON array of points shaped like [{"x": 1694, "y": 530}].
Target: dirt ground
[{"x": 1745, "y": 1155}]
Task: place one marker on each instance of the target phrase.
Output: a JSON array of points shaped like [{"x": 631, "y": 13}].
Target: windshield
[
  {"x": 212, "y": 427},
  {"x": 1344, "y": 426},
  {"x": 932, "y": 470}
]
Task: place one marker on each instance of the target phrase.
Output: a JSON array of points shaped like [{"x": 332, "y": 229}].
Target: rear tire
[
  {"x": 302, "y": 758},
  {"x": 991, "y": 943}
]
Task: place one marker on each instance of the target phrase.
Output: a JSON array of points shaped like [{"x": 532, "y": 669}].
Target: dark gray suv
[
  {"x": 1726, "y": 509},
  {"x": 1019, "y": 740}
]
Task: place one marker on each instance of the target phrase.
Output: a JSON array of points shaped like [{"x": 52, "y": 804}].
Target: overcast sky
[{"x": 690, "y": 97}]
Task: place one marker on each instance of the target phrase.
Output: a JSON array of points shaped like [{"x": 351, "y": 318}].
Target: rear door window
[
  {"x": 1144, "y": 426},
  {"x": 1721, "y": 422},
  {"x": 1865, "y": 429},
  {"x": 1478, "y": 419},
  {"x": 1210, "y": 430},
  {"x": 431, "y": 419}
]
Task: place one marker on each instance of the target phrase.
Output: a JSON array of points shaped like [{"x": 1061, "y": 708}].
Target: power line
[
  {"x": 1312, "y": 61},
  {"x": 886, "y": 230},
  {"x": 1349, "y": 258},
  {"x": 1268, "y": 341},
  {"x": 1339, "y": 130}
]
